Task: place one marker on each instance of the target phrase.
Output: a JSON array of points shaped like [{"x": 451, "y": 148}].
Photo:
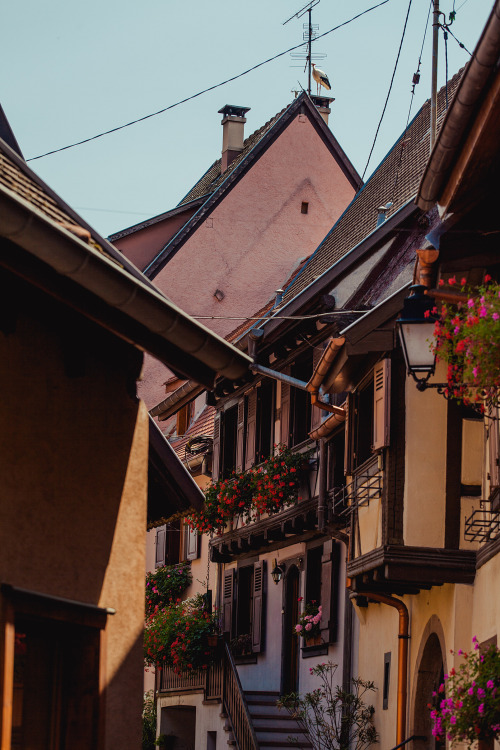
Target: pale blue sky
[{"x": 71, "y": 70}]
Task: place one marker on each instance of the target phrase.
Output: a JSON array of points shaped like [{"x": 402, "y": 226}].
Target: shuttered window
[
  {"x": 258, "y": 609},
  {"x": 285, "y": 413},
  {"x": 216, "y": 448},
  {"x": 381, "y": 404},
  {"x": 227, "y": 602},
  {"x": 251, "y": 429},
  {"x": 192, "y": 540},
  {"x": 493, "y": 427},
  {"x": 330, "y": 591},
  {"x": 161, "y": 535}
]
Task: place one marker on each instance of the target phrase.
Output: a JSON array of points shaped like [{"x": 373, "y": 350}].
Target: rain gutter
[
  {"x": 69, "y": 256},
  {"x": 466, "y": 102}
]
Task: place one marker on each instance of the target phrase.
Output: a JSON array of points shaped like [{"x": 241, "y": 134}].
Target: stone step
[{"x": 286, "y": 723}]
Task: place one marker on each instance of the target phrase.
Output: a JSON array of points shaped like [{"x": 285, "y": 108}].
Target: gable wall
[
  {"x": 142, "y": 246},
  {"x": 254, "y": 238}
]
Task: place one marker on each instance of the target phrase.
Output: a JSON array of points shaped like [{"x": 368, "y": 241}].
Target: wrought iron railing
[
  {"x": 219, "y": 681},
  {"x": 482, "y": 525},
  {"x": 362, "y": 488},
  {"x": 236, "y": 706}
]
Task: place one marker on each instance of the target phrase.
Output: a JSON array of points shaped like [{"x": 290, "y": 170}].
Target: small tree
[{"x": 334, "y": 718}]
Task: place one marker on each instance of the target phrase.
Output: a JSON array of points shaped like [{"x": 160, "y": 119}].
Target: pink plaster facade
[{"x": 254, "y": 238}]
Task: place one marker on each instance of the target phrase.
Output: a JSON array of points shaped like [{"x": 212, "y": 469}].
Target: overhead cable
[
  {"x": 210, "y": 88},
  {"x": 389, "y": 92}
]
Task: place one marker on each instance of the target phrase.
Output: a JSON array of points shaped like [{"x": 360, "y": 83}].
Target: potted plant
[
  {"x": 468, "y": 701},
  {"x": 467, "y": 338},
  {"x": 166, "y": 584},
  {"x": 241, "y": 645},
  {"x": 308, "y": 625}
]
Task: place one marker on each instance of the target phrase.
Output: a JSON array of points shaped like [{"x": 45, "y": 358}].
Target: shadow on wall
[{"x": 178, "y": 724}]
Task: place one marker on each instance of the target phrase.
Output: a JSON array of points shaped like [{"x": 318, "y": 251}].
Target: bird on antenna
[{"x": 321, "y": 78}]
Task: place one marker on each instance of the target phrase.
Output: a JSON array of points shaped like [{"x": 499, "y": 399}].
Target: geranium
[
  {"x": 308, "y": 625},
  {"x": 267, "y": 488},
  {"x": 176, "y": 636},
  {"x": 165, "y": 585},
  {"x": 467, "y": 338},
  {"x": 469, "y": 704}
]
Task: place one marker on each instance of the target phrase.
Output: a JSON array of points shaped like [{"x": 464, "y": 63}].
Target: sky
[{"x": 73, "y": 70}]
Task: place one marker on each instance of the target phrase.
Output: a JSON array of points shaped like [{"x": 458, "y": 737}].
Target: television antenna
[{"x": 309, "y": 34}]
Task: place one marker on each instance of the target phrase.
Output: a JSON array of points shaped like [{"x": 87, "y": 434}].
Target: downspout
[
  {"x": 319, "y": 374},
  {"x": 322, "y": 470},
  {"x": 403, "y": 637}
]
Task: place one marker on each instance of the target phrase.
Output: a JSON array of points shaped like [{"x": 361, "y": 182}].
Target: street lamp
[
  {"x": 276, "y": 572},
  {"x": 416, "y": 332}
]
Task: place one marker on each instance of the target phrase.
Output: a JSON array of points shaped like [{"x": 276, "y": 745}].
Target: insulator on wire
[{"x": 416, "y": 78}]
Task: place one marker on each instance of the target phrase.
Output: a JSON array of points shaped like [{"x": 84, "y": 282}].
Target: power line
[
  {"x": 210, "y": 88},
  {"x": 389, "y": 92},
  {"x": 278, "y": 317},
  {"x": 460, "y": 44}
]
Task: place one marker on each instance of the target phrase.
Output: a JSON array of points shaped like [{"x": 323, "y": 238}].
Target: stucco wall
[
  {"x": 207, "y": 719},
  {"x": 74, "y": 482},
  {"x": 425, "y": 474}
]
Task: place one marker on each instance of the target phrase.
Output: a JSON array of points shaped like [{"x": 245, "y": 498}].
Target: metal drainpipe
[
  {"x": 322, "y": 469},
  {"x": 403, "y": 636}
]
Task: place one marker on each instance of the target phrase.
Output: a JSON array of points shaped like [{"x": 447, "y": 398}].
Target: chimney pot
[
  {"x": 233, "y": 124},
  {"x": 322, "y": 104}
]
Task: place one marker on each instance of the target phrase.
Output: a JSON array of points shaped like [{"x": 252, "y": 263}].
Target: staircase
[{"x": 273, "y": 726}]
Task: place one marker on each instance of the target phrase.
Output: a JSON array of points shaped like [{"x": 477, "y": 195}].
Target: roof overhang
[
  {"x": 170, "y": 486},
  {"x": 465, "y": 157},
  {"x": 88, "y": 280}
]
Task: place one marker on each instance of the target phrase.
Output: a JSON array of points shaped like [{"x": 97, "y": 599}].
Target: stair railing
[
  {"x": 410, "y": 739},
  {"x": 235, "y": 705}
]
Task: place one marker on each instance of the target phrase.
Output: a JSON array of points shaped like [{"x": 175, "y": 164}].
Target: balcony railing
[
  {"x": 482, "y": 525},
  {"x": 363, "y": 487},
  {"x": 219, "y": 681}
]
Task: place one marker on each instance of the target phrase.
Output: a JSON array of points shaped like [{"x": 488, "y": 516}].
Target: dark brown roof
[
  {"x": 17, "y": 176},
  {"x": 396, "y": 179}
]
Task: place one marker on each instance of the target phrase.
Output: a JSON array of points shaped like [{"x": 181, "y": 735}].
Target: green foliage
[
  {"x": 241, "y": 645},
  {"x": 268, "y": 488},
  {"x": 176, "y": 636},
  {"x": 467, "y": 338},
  {"x": 334, "y": 718},
  {"x": 165, "y": 585},
  {"x": 469, "y": 699},
  {"x": 149, "y": 721}
]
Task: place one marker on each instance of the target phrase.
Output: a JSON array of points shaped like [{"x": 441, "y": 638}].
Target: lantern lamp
[
  {"x": 416, "y": 333},
  {"x": 276, "y": 572}
]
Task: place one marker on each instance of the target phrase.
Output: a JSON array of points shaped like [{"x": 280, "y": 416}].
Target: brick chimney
[
  {"x": 233, "y": 125},
  {"x": 322, "y": 104}
]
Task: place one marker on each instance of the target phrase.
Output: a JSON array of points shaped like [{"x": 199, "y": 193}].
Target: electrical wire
[
  {"x": 415, "y": 81},
  {"x": 210, "y": 88},
  {"x": 389, "y": 92},
  {"x": 278, "y": 317},
  {"x": 445, "y": 35},
  {"x": 460, "y": 44}
]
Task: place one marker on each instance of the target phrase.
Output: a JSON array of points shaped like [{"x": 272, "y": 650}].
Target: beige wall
[
  {"x": 73, "y": 474},
  {"x": 425, "y": 466}
]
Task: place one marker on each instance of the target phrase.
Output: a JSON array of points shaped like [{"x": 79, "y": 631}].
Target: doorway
[
  {"x": 430, "y": 677},
  {"x": 290, "y": 653}
]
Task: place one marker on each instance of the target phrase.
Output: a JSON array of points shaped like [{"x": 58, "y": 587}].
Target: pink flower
[
  {"x": 470, "y": 303},
  {"x": 298, "y": 628},
  {"x": 490, "y": 684},
  {"x": 495, "y": 316},
  {"x": 483, "y": 312},
  {"x": 475, "y": 371},
  {"x": 309, "y": 626},
  {"x": 480, "y": 710},
  {"x": 471, "y": 691}
]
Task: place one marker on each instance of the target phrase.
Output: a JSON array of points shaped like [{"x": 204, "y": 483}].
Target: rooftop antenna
[{"x": 309, "y": 34}]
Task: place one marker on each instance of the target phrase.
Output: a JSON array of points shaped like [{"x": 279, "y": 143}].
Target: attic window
[
  {"x": 219, "y": 295},
  {"x": 304, "y": 209}
]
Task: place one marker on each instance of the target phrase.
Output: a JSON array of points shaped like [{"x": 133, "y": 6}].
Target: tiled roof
[
  {"x": 396, "y": 179},
  {"x": 203, "y": 425},
  {"x": 213, "y": 177},
  {"x": 16, "y": 176}
]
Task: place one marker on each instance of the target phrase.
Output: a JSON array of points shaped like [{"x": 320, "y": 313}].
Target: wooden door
[{"x": 290, "y": 641}]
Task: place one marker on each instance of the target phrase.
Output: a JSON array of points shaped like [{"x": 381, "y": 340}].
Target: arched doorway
[
  {"x": 290, "y": 641},
  {"x": 429, "y": 677}
]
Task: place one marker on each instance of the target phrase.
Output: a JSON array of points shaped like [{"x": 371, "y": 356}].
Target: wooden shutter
[
  {"x": 285, "y": 413},
  {"x": 216, "y": 448},
  {"x": 227, "y": 602},
  {"x": 329, "y": 591},
  {"x": 161, "y": 536},
  {"x": 349, "y": 447},
  {"x": 493, "y": 427},
  {"x": 258, "y": 609},
  {"x": 192, "y": 543},
  {"x": 316, "y": 412},
  {"x": 381, "y": 404},
  {"x": 251, "y": 428},
  {"x": 240, "y": 436}
]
